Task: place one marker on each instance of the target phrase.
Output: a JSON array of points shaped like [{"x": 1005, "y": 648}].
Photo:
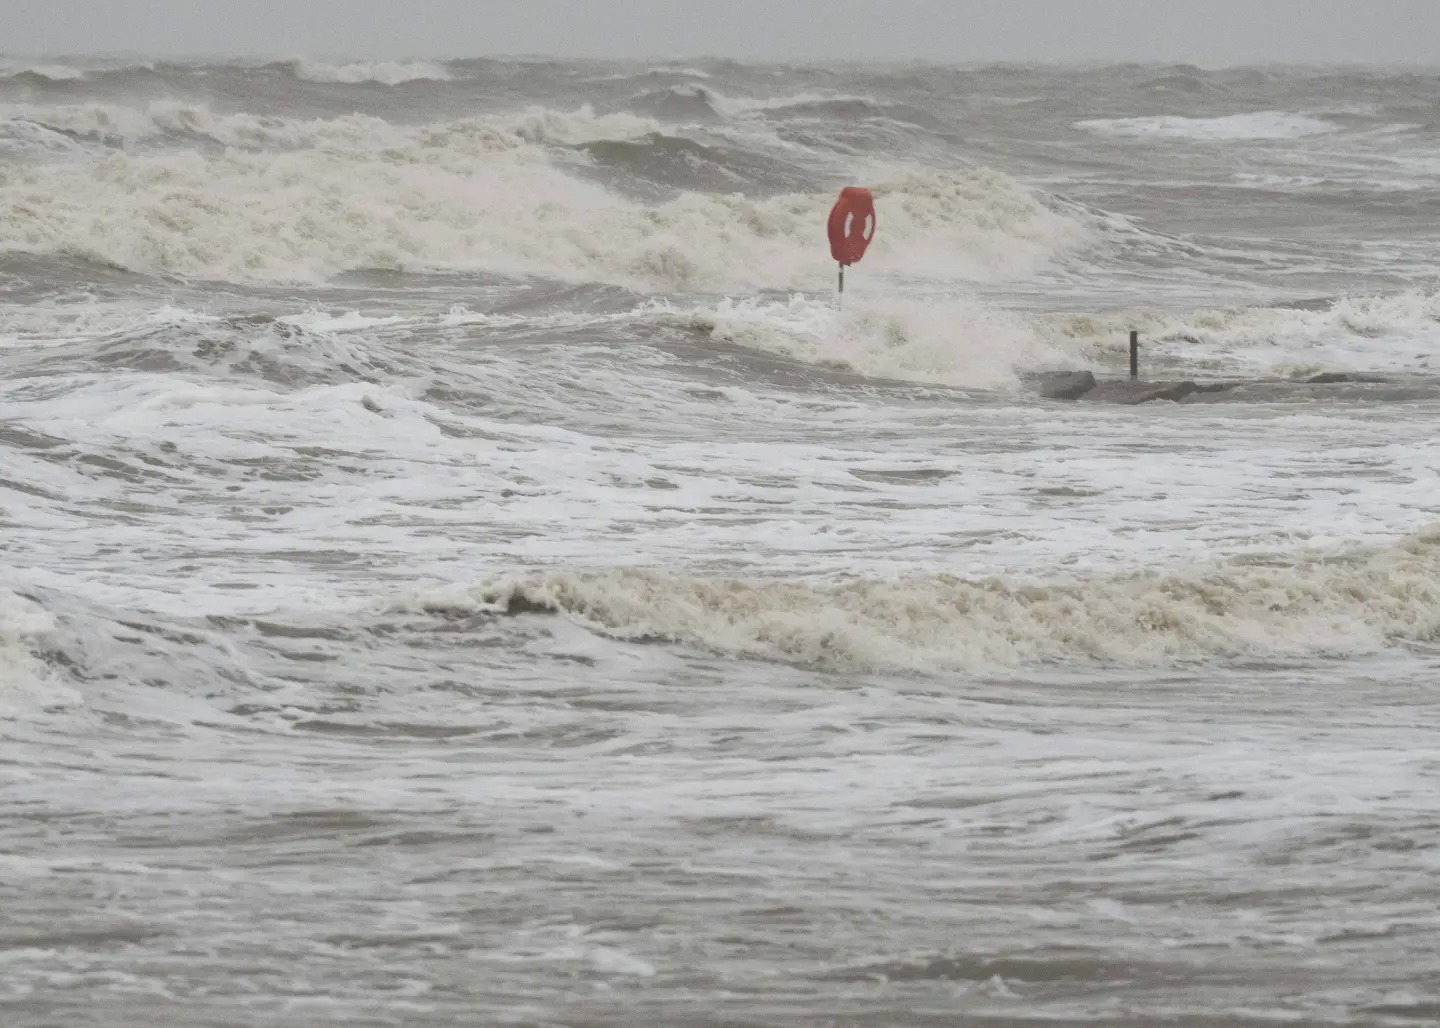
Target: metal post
[
  {"x": 842, "y": 280},
  {"x": 1134, "y": 355}
]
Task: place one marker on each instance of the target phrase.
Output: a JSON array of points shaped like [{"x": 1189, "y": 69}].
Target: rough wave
[
  {"x": 955, "y": 341},
  {"x": 542, "y": 125},
  {"x": 53, "y": 72},
  {"x": 679, "y": 104},
  {"x": 1260, "y": 125},
  {"x": 24, "y": 628},
  {"x": 121, "y": 124},
  {"x": 118, "y": 126},
  {"x": 386, "y": 73},
  {"x": 68, "y": 322},
  {"x": 1310, "y": 605},
  {"x": 823, "y": 105},
  {"x": 475, "y": 194},
  {"x": 21, "y": 137},
  {"x": 659, "y": 165},
  {"x": 1374, "y": 333}
]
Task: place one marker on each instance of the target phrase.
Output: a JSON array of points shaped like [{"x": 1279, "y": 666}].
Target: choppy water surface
[{"x": 461, "y": 565}]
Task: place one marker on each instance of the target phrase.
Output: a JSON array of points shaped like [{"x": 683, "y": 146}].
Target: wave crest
[
  {"x": 52, "y": 72},
  {"x": 1395, "y": 333},
  {"x": 474, "y": 194},
  {"x": 385, "y": 73},
  {"x": 956, "y": 342},
  {"x": 1310, "y": 606},
  {"x": 1261, "y": 125}
]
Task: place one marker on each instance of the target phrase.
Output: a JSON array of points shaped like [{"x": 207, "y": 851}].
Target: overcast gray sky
[{"x": 1202, "y": 31}]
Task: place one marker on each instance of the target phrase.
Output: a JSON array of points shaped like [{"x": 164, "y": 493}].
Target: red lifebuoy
[{"x": 852, "y": 225}]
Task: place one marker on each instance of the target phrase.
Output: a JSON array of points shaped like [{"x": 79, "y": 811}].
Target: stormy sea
[{"x": 462, "y": 563}]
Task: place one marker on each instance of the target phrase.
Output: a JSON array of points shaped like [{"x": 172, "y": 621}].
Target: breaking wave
[
  {"x": 25, "y": 138},
  {"x": 118, "y": 126},
  {"x": 357, "y": 192},
  {"x": 1312, "y": 605},
  {"x": 542, "y": 125},
  {"x": 1259, "y": 126},
  {"x": 1374, "y": 333},
  {"x": 24, "y": 629},
  {"x": 53, "y": 72},
  {"x": 955, "y": 342},
  {"x": 386, "y": 73}
]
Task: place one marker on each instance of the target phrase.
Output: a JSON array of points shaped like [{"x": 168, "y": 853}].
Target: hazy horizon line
[{"x": 280, "y": 57}]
